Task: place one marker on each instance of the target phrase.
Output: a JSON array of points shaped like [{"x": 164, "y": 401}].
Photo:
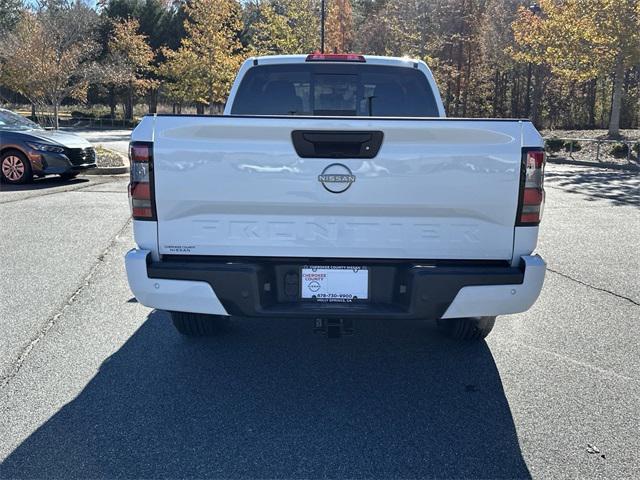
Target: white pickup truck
[{"x": 334, "y": 188}]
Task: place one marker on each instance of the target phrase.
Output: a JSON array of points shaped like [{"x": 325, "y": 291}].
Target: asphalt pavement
[{"x": 92, "y": 384}]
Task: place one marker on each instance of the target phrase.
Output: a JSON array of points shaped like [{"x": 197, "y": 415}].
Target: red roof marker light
[{"x": 335, "y": 57}]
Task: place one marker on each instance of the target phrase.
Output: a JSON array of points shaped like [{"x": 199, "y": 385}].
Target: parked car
[
  {"x": 334, "y": 188},
  {"x": 26, "y": 149}
]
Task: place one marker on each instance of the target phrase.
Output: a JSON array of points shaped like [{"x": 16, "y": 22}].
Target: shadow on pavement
[
  {"x": 620, "y": 188},
  {"x": 270, "y": 399},
  {"x": 42, "y": 183}
]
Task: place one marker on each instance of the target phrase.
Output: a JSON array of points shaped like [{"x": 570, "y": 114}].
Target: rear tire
[
  {"x": 198, "y": 324},
  {"x": 15, "y": 168},
  {"x": 467, "y": 329}
]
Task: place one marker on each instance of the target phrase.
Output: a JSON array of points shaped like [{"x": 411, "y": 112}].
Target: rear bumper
[{"x": 258, "y": 287}]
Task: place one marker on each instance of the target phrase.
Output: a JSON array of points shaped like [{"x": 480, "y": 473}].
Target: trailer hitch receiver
[{"x": 334, "y": 327}]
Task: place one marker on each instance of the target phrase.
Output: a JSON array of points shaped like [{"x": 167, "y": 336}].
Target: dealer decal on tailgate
[{"x": 335, "y": 283}]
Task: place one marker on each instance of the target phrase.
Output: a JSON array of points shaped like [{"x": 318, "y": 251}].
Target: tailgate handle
[{"x": 329, "y": 144}]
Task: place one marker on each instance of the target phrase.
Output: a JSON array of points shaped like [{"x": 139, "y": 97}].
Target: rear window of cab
[{"x": 335, "y": 89}]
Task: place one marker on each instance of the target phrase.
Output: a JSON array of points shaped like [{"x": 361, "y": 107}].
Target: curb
[
  {"x": 106, "y": 171},
  {"x": 614, "y": 166},
  {"x": 110, "y": 170}
]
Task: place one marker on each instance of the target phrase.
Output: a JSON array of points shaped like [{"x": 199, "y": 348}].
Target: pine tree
[{"x": 9, "y": 14}]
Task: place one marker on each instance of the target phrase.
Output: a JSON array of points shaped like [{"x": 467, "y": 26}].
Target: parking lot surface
[
  {"x": 114, "y": 139},
  {"x": 92, "y": 384}
]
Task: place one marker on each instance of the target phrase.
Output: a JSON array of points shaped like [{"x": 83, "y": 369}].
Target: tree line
[{"x": 562, "y": 63}]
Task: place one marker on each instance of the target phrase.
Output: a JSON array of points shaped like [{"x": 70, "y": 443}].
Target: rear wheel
[
  {"x": 198, "y": 324},
  {"x": 471, "y": 328},
  {"x": 15, "y": 168}
]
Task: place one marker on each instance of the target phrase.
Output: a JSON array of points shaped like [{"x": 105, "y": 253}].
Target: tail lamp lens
[
  {"x": 532, "y": 194},
  {"x": 141, "y": 194}
]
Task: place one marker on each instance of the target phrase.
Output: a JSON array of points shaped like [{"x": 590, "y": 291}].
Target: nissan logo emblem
[{"x": 336, "y": 178}]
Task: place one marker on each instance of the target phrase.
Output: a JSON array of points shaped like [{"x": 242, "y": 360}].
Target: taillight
[
  {"x": 531, "y": 189},
  {"x": 141, "y": 194}
]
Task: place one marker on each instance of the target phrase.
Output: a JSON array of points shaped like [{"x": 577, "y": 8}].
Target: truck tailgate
[{"x": 437, "y": 189}]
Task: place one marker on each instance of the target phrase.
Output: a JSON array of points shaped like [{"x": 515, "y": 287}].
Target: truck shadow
[{"x": 271, "y": 400}]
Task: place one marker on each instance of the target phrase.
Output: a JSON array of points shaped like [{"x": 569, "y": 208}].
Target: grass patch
[{"x": 108, "y": 158}]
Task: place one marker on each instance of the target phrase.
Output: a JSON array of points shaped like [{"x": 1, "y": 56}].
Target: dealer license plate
[{"x": 335, "y": 283}]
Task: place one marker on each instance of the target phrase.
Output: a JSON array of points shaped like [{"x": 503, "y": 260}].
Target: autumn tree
[
  {"x": 339, "y": 26},
  {"x": 49, "y": 56},
  {"x": 129, "y": 62},
  {"x": 499, "y": 68},
  {"x": 204, "y": 66},
  {"x": 573, "y": 64},
  {"x": 160, "y": 21},
  {"x": 271, "y": 33},
  {"x": 582, "y": 39},
  {"x": 304, "y": 19},
  {"x": 182, "y": 79},
  {"x": 382, "y": 30},
  {"x": 615, "y": 25},
  {"x": 156, "y": 19},
  {"x": 21, "y": 53},
  {"x": 283, "y": 26}
]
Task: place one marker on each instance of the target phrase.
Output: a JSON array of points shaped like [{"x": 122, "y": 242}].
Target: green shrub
[
  {"x": 572, "y": 146},
  {"x": 553, "y": 145},
  {"x": 636, "y": 148},
  {"x": 78, "y": 114},
  {"x": 619, "y": 150}
]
